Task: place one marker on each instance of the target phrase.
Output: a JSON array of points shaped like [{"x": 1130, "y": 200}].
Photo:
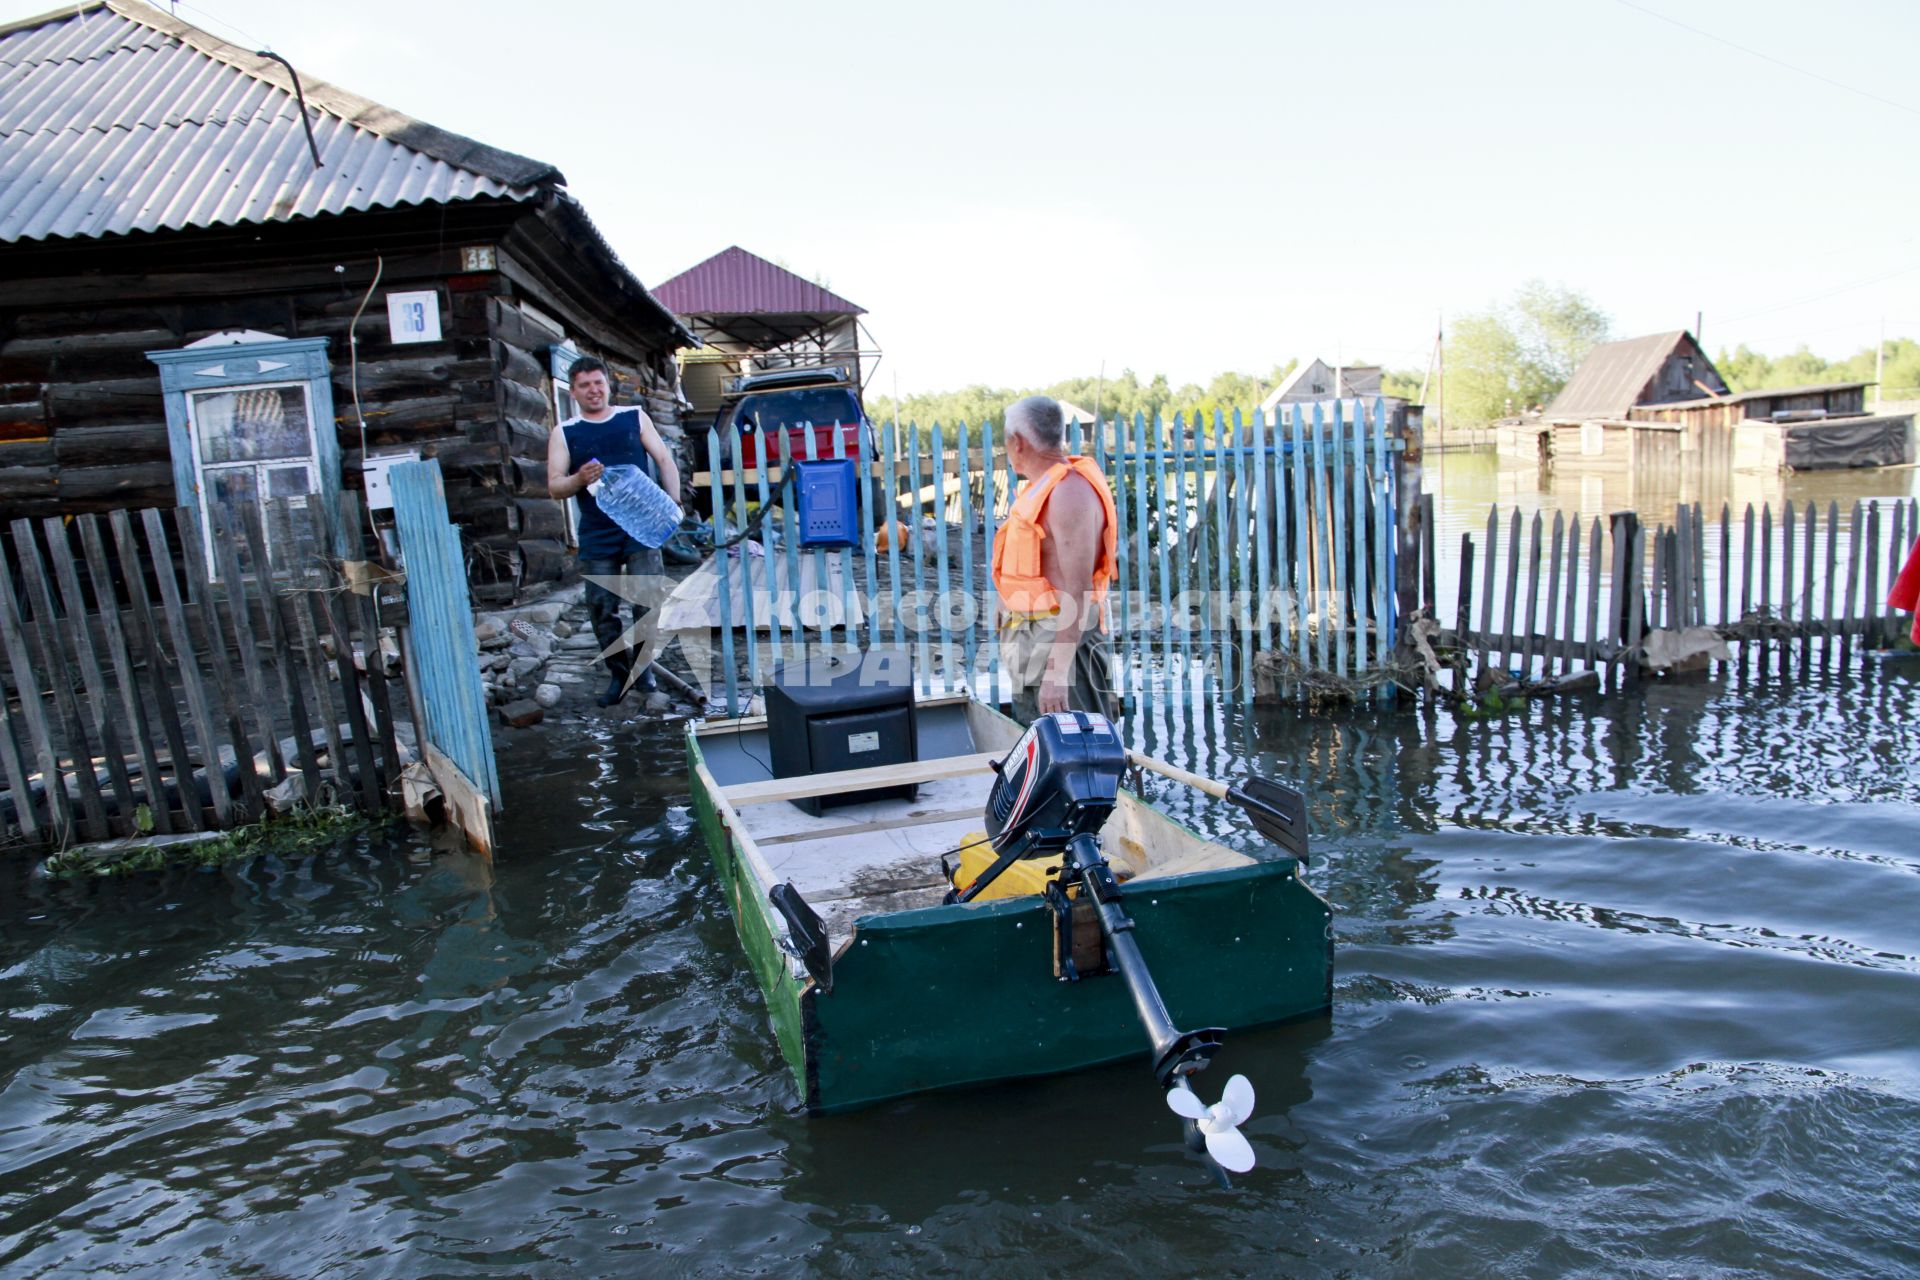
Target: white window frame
[{"x": 260, "y": 467}]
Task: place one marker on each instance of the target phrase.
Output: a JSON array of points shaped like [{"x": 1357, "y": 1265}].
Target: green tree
[{"x": 1513, "y": 356}]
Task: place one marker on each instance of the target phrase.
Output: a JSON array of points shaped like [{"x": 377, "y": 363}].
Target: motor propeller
[{"x": 1219, "y": 1123}]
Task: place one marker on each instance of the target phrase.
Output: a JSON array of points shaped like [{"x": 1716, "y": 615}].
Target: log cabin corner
[{"x": 161, "y": 188}]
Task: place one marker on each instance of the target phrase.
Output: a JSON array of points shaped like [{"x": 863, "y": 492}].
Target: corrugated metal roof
[
  {"x": 116, "y": 118},
  {"x": 734, "y": 282},
  {"x": 1765, "y": 393},
  {"x": 1609, "y": 381}
]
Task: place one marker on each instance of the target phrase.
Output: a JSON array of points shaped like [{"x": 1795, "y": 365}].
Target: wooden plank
[
  {"x": 1162, "y": 567},
  {"x": 1617, "y": 605},
  {"x": 306, "y": 635},
  {"x": 1486, "y": 592},
  {"x": 1551, "y": 630},
  {"x": 1142, "y": 563},
  {"x": 746, "y": 588},
  {"x": 286, "y": 667},
  {"x": 1360, "y": 567},
  {"x": 1699, "y": 567},
  {"x": 867, "y": 828},
  {"x": 1463, "y": 610},
  {"x": 1299, "y": 570},
  {"x": 846, "y": 780},
  {"x": 722, "y": 560},
  {"x": 1683, "y": 567},
  {"x": 1239, "y": 569},
  {"x": 1788, "y": 528},
  {"x": 1184, "y": 554},
  {"x": 944, "y": 558},
  {"x": 1727, "y": 565},
  {"x": 1573, "y": 595},
  {"x": 894, "y": 540},
  {"x": 790, "y": 531},
  {"x": 1510, "y": 636},
  {"x": 838, "y": 446},
  {"x": 92, "y": 673},
  {"x": 772, "y": 562},
  {"x": 1525, "y": 631},
  {"x": 368, "y": 619},
  {"x": 1591, "y": 654},
  {"x": 146, "y": 636},
  {"x": 1848, "y": 617},
  {"x": 51, "y": 663},
  {"x": 1636, "y": 596},
  {"x": 1395, "y": 586},
  {"x": 1264, "y": 526},
  {"x": 467, "y": 804},
  {"x": 1831, "y": 628},
  {"x": 1747, "y": 563},
  {"x": 1870, "y": 595},
  {"x": 869, "y": 520},
  {"x": 922, "y": 645},
  {"x": 968, "y": 647},
  {"x": 226, "y": 681},
  {"x": 990, "y": 490},
  {"x": 1338, "y": 497},
  {"x": 1766, "y": 566},
  {"x": 206, "y": 728},
  {"x": 26, "y": 819},
  {"x": 233, "y": 585},
  {"x": 323, "y": 611},
  {"x": 28, "y": 682}
]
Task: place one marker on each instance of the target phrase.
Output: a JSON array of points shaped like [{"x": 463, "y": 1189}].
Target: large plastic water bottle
[{"x": 634, "y": 502}]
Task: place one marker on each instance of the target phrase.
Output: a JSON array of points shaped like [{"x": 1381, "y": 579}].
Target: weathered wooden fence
[
  {"x": 456, "y": 734},
  {"x": 144, "y": 690},
  {"x": 1545, "y": 597},
  {"x": 1257, "y": 551}
]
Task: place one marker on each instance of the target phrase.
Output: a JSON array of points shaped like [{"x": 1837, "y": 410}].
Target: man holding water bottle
[{"x": 578, "y": 452}]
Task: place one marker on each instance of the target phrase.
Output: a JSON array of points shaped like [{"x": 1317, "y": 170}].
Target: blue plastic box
[{"x": 824, "y": 500}]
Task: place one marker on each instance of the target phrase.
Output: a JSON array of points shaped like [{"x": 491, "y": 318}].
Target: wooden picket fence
[
  {"x": 139, "y": 695},
  {"x": 1255, "y": 552},
  {"x": 1558, "y": 596}
]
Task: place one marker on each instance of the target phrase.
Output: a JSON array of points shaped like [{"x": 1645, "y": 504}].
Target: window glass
[
  {"x": 822, "y": 406},
  {"x": 289, "y": 482},
  {"x": 251, "y": 424}
]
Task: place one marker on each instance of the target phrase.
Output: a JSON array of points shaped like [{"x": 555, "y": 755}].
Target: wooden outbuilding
[
  {"x": 751, "y": 315},
  {"x": 1616, "y": 377},
  {"x": 219, "y": 281}
]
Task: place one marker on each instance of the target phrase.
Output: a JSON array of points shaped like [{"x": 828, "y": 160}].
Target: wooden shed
[{"x": 218, "y": 281}]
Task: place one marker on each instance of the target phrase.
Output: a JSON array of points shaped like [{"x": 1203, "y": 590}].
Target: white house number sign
[{"x": 414, "y": 317}]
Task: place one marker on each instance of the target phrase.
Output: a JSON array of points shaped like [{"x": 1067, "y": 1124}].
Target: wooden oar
[{"x": 1278, "y": 811}]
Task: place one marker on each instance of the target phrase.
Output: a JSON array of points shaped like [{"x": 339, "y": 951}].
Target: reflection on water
[{"x": 1624, "y": 986}]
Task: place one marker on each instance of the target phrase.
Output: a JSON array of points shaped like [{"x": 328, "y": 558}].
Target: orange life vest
[{"x": 1017, "y": 572}]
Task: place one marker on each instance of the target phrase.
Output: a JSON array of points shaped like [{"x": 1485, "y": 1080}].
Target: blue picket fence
[{"x": 1257, "y": 555}]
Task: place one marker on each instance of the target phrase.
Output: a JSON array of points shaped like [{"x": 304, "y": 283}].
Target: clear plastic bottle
[{"x": 634, "y": 502}]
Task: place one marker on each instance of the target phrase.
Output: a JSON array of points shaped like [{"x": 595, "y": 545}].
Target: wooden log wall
[{"x": 83, "y": 422}]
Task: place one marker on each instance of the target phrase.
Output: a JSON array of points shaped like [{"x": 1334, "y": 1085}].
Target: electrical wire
[{"x": 1767, "y": 57}]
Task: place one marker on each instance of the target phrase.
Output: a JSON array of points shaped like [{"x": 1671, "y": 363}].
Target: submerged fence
[
  {"x": 1554, "y": 597},
  {"x": 138, "y": 694},
  {"x": 1261, "y": 550}
]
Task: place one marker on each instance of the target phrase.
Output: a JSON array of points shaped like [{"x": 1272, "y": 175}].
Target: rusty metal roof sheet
[
  {"x": 116, "y": 118},
  {"x": 734, "y": 282},
  {"x": 1609, "y": 381}
]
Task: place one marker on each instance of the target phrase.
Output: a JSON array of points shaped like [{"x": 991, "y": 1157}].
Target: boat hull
[{"x": 947, "y": 996}]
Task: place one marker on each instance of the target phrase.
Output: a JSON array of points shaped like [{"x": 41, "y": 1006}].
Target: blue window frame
[{"x": 250, "y": 419}]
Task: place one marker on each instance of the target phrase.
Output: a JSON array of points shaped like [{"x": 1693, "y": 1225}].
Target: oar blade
[{"x": 1278, "y": 811}]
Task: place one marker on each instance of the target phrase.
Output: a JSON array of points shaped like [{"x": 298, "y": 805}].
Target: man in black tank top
[{"x": 578, "y": 452}]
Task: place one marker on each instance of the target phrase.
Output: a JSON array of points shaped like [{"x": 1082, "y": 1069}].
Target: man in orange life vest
[{"x": 1052, "y": 564}]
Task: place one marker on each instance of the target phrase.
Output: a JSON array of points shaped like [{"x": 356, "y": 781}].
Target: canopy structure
[{"x": 754, "y": 315}]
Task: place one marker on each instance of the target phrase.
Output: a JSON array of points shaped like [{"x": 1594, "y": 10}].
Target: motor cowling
[{"x": 1060, "y": 779}]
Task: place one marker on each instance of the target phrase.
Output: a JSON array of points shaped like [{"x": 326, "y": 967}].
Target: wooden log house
[{"x": 159, "y": 187}]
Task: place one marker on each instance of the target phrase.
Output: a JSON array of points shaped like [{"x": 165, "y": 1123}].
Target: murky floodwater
[{"x": 1624, "y": 986}]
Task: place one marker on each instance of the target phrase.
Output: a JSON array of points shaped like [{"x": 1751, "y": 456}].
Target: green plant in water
[{"x": 306, "y": 830}]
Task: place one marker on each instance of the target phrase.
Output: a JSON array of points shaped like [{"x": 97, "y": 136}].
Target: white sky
[{"x": 1019, "y": 191}]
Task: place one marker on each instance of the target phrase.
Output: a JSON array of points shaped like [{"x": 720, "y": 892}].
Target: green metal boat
[{"x": 900, "y": 994}]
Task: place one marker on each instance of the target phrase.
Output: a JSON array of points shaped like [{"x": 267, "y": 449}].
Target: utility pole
[
  {"x": 1699, "y": 330},
  {"x": 1879, "y": 365}
]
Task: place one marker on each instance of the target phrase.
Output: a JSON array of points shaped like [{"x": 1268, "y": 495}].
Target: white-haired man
[{"x": 1053, "y": 562}]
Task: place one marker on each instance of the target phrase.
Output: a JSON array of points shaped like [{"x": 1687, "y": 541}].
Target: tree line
[{"x": 1503, "y": 360}]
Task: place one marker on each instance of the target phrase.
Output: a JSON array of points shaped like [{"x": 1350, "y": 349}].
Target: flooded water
[{"x": 1625, "y": 986}]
